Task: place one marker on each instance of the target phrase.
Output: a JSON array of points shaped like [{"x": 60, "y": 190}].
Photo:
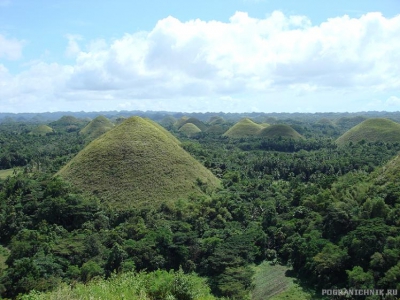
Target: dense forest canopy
[{"x": 323, "y": 214}]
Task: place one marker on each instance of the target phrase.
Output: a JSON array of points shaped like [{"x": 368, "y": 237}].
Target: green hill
[
  {"x": 217, "y": 129},
  {"x": 168, "y": 121},
  {"x": 243, "y": 128},
  {"x": 179, "y": 123},
  {"x": 41, "y": 130},
  {"x": 325, "y": 122},
  {"x": 349, "y": 122},
  {"x": 189, "y": 129},
  {"x": 280, "y": 130},
  {"x": 216, "y": 120},
  {"x": 137, "y": 163},
  {"x": 97, "y": 127},
  {"x": 372, "y": 130},
  {"x": 67, "y": 121},
  {"x": 196, "y": 122}
]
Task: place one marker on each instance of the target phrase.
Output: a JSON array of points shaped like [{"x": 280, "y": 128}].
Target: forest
[{"x": 323, "y": 205}]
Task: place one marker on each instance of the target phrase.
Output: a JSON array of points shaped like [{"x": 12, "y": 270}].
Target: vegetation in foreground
[{"x": 133, "y": 286}]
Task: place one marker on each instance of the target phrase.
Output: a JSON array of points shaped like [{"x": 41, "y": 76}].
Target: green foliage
[{"x": 155, "y": 285}]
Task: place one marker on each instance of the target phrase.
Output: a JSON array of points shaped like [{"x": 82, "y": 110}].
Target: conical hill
[
  {"x": 97, "y": 127},
  {"x": 243, "y": 128},
  {"x": 41, "y": 130},
  {"x": 196, "y": 122},
  {"x": 137, "y": 163},
  {"x": 189, "y": 129},
  {"x": 280, "y": 130},
  {"x": 372, "y": 130}
]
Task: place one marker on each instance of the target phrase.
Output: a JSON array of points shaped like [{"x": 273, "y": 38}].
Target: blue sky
[{"x": 231, "y": 55}]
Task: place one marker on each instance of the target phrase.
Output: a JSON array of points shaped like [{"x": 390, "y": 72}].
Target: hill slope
[
  {"x": 243, "y": 128},
  {"x": 97, "y": 127},
  {"x": 280, "y": 130},
  {"x": 199, "y": 124},
  {"x": 372, "y": 130},
  {"x": 137, "y": 163}
]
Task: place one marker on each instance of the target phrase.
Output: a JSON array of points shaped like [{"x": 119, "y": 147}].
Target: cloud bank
[{"x": 279, "y": 60}]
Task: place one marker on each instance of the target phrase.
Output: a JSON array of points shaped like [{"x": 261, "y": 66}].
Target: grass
[
  {"x": 243, "y": 128},
  {"x": 5, "y": 173},
  {"x": 372, "y": 130},
  {"x": 272, "y": 282},
  {"x": 179, "y": 123},
  {"x": 138, "y": 163},
  {"x": 133, "y": 286},
  {"x": 216, "y": 120},
  {"x": 280, "y": 130},
  {"x": 96, "y": 128},
  {"x": 189, "y": 129}
]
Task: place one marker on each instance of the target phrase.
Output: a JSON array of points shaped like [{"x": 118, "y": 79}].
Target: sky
[{"x": 200, "y": 56}]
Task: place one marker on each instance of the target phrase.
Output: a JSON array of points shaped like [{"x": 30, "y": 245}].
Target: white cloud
[
  {"x": 177, "y": 62},
  {"x": 393, "y": 101},
  {"x": 10, "y": 48}
]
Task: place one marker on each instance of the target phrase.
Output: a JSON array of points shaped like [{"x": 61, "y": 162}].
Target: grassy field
[
  {"x": 272, "y": 282},
  {"x": 138, "y": 163},
  {"x": 372, "y": 130}
]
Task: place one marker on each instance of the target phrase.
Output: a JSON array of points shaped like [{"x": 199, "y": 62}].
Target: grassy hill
[
  {"x": 179, "y": 123},
  {"x": 41, "y": 130},
  {"x": 96, "y": 127},
  {"x": 196, "y": 122},
  {"x": 243, "y": 128},
  {"x": 280, "y": 130},
  {"x": 372, "y": 130},
  {"x": 138, "y": 163},
  {"x": 216, "y": 120},
  {"x": 189, "y": 129},
  {"x": 217, "y": 129},
  {"x": 168, "y": 121}
]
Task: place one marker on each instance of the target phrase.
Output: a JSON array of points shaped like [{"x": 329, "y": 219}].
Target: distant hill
[
  {"x": 325, "y": 122},
  {"x": 372, "y": 130},
  {"x": 243, "y": 128},
  {"x": 137, "y": 163},
  {"x": 179, "y": 123},
  {"x": 168, "y": 121},
  {"x": 189, "y": 129},
  {"x": 96, "y": 128},
  {"x": 217, "y": 129},
  {"x": 68, "y": 123},
  {"x": 216, "y": 120},
  {"x": 41, "y": 130},
  {"x": 349, "y": 122},
  {"x": 280, "y": 130},
  {"x": 196, "y": 122}
]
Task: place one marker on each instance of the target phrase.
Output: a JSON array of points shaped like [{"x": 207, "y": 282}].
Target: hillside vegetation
[
  {"x": 199, "y": 124},
  {"x": 372, "y": 130},
  {"x": 243, "y": 128},
  {"x": 137, "y": 163},
  {"x": 280, "y": 130}
]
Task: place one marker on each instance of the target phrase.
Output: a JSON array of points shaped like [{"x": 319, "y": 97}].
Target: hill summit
[
  {"x": 137, "y": 163},
  {"x": 243, "y": 128},
  {"x": 280, "y": 130},
  {"x": 97, "y": 127},
  {"x": 372, "y": 130}
]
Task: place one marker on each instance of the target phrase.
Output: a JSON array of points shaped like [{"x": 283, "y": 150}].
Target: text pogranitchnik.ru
[{"x": 359, "y": 292}]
